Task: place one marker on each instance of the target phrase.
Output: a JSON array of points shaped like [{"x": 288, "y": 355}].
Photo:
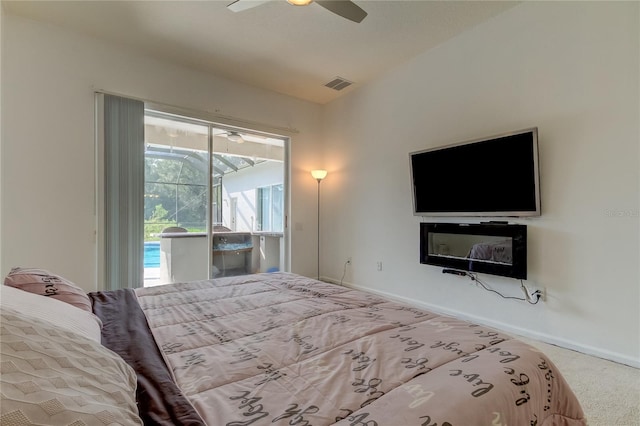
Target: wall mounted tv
[
  {"x": 496, "y": 176},
  {"x": 491, "y": 248}
]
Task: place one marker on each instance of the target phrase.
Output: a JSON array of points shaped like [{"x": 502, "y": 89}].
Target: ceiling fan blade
[
  {"x": 240, "y": 5},
  {"x": 345, "y": 8}
]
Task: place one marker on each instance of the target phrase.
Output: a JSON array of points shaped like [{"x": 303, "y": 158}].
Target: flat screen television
[
  {"x": 495, "y": 176},
  {"x": 491, "y": 248}
]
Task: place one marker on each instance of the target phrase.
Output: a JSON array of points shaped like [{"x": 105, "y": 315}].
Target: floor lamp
[{"x": 319, "y": 175}]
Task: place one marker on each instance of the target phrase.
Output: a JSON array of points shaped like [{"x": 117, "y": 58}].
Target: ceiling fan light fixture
[
  {"x": 300, "y": 2},
  {"x": 235, "y": 137}
]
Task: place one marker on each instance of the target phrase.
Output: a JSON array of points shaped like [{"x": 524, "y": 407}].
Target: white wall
[
  {"x": 570, "y": 68},
  {"x": 242, "y": 185},
  {"x": 1, "y": 131},
  {"x": 49, "y": 77}
]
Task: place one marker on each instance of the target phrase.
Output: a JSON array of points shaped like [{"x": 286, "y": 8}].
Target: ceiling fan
[
  {"x": 232, "y": 136},
  {"x": 345, "y": 8}
]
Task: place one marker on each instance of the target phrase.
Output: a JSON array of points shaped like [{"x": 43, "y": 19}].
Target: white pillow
[
  {"x": 51, "y": 376},
  {"x": 51, "y": 310}
]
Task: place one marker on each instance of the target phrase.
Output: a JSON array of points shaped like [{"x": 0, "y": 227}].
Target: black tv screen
[{"x": 496, "y": 176}]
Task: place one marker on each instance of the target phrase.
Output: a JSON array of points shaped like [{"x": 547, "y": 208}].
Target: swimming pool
[{"x": 152, "y": 254}]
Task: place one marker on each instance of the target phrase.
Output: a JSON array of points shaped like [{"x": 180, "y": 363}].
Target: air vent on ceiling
[{"x": 338, "y": 83}]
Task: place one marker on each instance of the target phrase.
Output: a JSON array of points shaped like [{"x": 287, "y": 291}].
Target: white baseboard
[{"x": 543, "y": 337}]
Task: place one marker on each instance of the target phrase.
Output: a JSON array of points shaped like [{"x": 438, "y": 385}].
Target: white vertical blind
[{"x": 123, "y": 192}]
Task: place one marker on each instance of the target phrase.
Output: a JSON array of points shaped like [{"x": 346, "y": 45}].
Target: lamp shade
[
  {"x": 319, "y": 174},
  {"x": 299, "y": 2}
]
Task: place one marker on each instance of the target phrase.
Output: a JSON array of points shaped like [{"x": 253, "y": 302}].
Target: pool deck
[{"x": 151, "y": 277}]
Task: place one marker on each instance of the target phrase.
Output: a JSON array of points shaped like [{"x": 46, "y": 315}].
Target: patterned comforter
[{"x": 287, "y": 350}]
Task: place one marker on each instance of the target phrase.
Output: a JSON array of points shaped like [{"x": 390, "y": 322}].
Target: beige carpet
[{"x": 609, "y": 392}]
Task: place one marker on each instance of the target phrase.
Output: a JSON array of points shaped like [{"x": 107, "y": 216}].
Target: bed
[{"x": 282, "y": 349}]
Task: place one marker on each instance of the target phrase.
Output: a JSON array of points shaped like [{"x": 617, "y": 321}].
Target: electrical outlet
[
  {"x": 379, "y": 265},
  {"x": 538, "y": 295},
  {"x": 349, "y": 260},
  {"x": 534, "y": 295}
]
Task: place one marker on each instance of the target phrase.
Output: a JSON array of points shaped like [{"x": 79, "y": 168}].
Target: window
[
  {"x": 216, "y": 202},
  {"x": 270, "y": 207},
  {"x": 175, "y": 192}
]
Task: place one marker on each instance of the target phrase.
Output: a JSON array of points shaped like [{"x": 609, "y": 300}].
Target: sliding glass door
[
  {"x": 214, "y": 201},
  {"x": 175, "y": 200},
  {"x": 248, "y": 233}
]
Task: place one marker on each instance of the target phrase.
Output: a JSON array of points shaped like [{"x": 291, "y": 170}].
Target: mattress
[{"x": 282, "y": 349}]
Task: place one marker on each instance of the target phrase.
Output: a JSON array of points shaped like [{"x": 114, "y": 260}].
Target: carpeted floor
[{"x": 609, "y": 392}]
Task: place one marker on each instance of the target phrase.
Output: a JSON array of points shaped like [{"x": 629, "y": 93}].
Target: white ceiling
[{"x": 275, "y": 46}]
